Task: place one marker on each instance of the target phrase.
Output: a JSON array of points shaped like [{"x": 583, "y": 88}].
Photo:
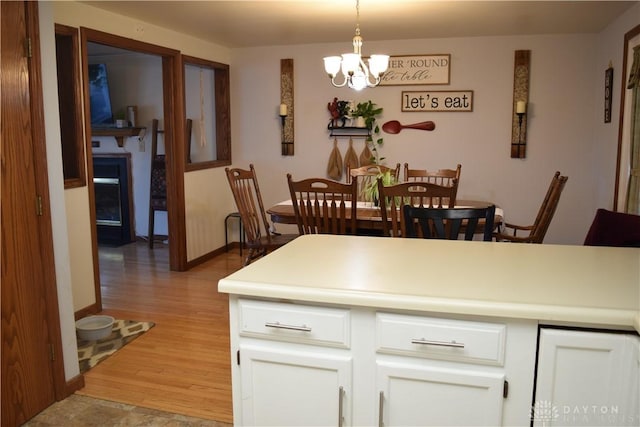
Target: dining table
[{"x": 368, "y": 215}]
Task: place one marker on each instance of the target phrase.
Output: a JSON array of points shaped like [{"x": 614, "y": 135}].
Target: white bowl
[{"x": 92, "y": 328}]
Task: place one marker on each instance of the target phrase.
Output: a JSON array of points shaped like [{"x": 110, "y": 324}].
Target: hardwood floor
[{"x": 182, "y": 365}]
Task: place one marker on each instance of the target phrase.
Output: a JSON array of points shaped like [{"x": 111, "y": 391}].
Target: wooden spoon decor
[{"x": 395, "y": 126}]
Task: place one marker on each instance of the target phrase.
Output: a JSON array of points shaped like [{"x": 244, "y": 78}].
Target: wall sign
[
  {"x": 437, "y": 100},
  {"x": 608, "y": 87},
  {"x": 417, "y": 70}
]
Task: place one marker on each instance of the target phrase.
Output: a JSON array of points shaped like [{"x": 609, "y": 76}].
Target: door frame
[
  {"x": 60, "y": 388},
  {"x": 173, "y": 114}
]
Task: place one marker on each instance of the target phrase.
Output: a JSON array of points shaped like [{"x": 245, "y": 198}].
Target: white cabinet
[
  {"x": 290, "y": 387},
  {"x": 300, "y": 364},
  {"x": 587, "y": 378},
  {"x": 293, "y": 365},
  {"x": 418, "y": 384},
  {"x": 412, "y": 395}
]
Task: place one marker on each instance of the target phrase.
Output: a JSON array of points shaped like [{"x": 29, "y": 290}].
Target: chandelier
[{"x": 356, "y": 73}]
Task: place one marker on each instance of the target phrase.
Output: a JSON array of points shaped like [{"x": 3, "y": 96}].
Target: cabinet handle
[
  {"x": 380, "y": 409},
  {"x": 340, "y": 398},
  {"x": 451, "y": 343},
  {"x": 278, "y": 325}
]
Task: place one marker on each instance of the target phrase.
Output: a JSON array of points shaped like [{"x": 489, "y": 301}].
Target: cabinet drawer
[
  {"x": 295, "y": 323},
  {"x": 448, "y": 339}
]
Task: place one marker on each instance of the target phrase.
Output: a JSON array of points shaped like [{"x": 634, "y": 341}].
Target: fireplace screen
[
  {"x": 108, "y": 204},
  {"x": 113, "y": 199}
]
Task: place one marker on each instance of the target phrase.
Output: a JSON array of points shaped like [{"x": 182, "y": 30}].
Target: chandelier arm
[{"x": 343, "y": 84}]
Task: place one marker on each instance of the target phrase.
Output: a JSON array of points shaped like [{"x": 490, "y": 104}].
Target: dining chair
[
  {"x": 441, "y": 176},
  {"x": 323, "y": 206},
  {"x": 259, "y": 236},
  {"x": 538, "y": 229},
  {"x": 366, "y": 176},
  {"x": 448, "y": 223},
  {"x": 393, "y": 198}
]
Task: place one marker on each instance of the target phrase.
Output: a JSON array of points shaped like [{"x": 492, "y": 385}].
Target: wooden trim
[
  {"x": 89, "y": 167},
  {"x": 42, "y": 184},
  {"x": 71, "y": 108},
  {"x": 87, "y": 311},
  {"x": 74, "y": 384},
  {"x": 210, "y": 255},
  {"x": 222, "y": 114},
  {"x": 173, "y": 106},
  {"x": 623, "y": 84}
]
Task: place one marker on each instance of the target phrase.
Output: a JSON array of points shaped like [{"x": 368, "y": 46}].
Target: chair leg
[{"x": 249, "y": 257}]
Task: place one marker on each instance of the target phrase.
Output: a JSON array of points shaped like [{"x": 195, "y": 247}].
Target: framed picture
[
  {"x": 608, "y": 88},
  {"x": 417, "y": 70}
]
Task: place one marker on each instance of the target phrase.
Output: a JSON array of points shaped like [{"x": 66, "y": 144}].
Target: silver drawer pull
[
  {"x": 340, "y": 410},
  {"x": 278, "y": 325},
  {"x": 452, "y": 343}
]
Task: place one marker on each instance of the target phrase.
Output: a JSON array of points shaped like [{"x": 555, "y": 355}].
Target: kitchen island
[{"x": 382, "y": 330}]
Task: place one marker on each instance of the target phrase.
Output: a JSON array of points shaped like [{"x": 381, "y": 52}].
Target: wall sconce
[
  {"x": 286, "y": 106},
  {"x": 520, "y": 104}
]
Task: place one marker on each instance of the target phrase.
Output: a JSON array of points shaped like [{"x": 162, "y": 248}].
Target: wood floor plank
[{"x": 182, "y": 364}]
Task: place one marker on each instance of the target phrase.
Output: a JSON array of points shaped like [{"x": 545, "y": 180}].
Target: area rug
[{"x": 90, "y": 353}]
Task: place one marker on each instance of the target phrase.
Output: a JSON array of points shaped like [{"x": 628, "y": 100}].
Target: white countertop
[{"x": 594, "y": 286}]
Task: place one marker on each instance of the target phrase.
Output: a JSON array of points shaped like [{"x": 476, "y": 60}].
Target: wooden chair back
[
  {"x": 448, "y": 223},
  {"x": 246, "y": 193},
  {"x": 393, "y": 198},
  {"x": 367, "y": 175},
  {"x": 539, "y": 228},
  {"x": 323, "y": 206},
  {"x": 440, "y": 177},
  {"x": 157, "y": 182}
]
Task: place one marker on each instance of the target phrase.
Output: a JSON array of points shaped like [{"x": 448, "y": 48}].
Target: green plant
[
  {"x": 369, "y": 111},
  {"x": 370, "y": 190}
]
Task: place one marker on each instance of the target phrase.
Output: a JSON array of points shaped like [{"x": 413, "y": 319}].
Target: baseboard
[
  {"x": 210, "y": 255},
  {"x": 73, "y": 385},
  {"x": 87, "y": 311}
]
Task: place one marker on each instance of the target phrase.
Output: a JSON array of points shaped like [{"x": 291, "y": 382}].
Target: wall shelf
[
  {"x": 354, "y": 132},
  {"x": 118, "y": 133}
]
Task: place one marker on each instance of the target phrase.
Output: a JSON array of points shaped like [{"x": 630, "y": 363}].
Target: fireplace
[{"x": 113, "y": 199}]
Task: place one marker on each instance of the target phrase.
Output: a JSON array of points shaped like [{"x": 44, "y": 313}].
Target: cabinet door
[
  {"x": 586, "y": 379},
  {"x": 411, "y": 394},
  {"x": 294, "y": 387}
]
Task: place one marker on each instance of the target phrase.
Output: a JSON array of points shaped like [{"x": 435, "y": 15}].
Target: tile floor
[{"x": 83, "y": 411}]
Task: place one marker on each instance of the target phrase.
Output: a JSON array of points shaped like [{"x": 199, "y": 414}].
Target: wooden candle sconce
[
  {"x": 520, "y": 103},
  {"x": 286, "y": 106}
]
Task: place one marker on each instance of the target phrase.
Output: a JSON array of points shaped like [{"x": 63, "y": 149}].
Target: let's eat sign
[{"x": 438, "y": 100}]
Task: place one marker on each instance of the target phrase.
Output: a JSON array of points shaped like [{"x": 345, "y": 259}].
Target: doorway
[{"x": 172, "y": 112}]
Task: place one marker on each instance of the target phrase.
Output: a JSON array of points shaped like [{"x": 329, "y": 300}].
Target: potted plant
[{"x": 369, "y": 111}]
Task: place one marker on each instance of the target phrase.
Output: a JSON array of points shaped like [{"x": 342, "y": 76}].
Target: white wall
[
  {"x": 566, "y": 86},
  {"x": 56, "y": 193}
]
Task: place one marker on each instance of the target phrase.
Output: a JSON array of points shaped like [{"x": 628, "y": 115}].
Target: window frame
[
  {"x": 222, "y": 114},
  {"x": 70, "y": 106}
]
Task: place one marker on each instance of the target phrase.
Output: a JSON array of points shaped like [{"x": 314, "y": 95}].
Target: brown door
[{"x": 29, "y": 336}]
